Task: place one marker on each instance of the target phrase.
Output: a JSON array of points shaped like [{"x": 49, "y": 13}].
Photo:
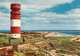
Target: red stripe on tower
[
  {"x": 15, "y": 30},
  {"x": 15, "y": 21}
]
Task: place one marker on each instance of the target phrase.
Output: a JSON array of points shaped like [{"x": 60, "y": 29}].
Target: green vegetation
[
  {"x": 5, "y": 37},
  {"x": 35, "y": 53},
  {"x": 60, "y": 51},
  {"x": 62, "y": 45},
  {"x": 18, "y": 53}
]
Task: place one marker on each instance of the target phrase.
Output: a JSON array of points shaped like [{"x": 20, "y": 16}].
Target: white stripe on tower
[
  {"x": 15, "y": 22},
  {"x": 15, "y": 35}
]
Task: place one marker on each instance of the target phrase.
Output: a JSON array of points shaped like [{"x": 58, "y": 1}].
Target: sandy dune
[{"x": 54, "y": 34}]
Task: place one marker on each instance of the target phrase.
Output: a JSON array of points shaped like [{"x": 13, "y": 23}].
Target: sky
[{"x": 43, "y": 14}]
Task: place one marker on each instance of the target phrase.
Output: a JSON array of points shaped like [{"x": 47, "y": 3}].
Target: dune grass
[
  {"x": 5, "y": 37},
  {"x": 62, "y": 45},
  {"x": 30, "y": 53},
  {"x": 18, "y": 53}
]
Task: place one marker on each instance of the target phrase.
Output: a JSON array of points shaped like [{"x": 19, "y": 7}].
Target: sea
[{"x": 65, "y": 32}]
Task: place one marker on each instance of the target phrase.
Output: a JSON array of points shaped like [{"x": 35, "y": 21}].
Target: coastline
[{"x": 61, "y": 32}]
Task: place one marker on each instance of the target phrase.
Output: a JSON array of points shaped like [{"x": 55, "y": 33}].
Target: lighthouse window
[
  {"x": 15, "y": 35},
  {"x": 17, "y": 27}
]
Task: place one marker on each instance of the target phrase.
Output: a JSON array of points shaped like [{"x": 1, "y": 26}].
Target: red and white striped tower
[{"x": 15, "y": 21}]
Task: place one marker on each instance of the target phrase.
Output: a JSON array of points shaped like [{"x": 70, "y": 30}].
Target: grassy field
[
  {"x": 35, "y": 53},
  {"x": 5, "y": 37},
  {"x": 62, "y": 45}
]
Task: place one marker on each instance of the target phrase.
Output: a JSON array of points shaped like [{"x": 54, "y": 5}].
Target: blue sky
[{"x": 43, "y": 14}]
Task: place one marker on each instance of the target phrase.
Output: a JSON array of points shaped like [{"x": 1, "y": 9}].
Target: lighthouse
[{"x": 15, "y": 21}]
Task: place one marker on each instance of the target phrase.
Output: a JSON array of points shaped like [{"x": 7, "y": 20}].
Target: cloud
[
  {"x": 37, "y": 6},
  {"x": 5, "y": 5},
  {"x": 33, "y": 5},
  {"x": 71, "y": 17},
  {"x": 33, "y": 18},
  {"x": 75, "y": 11},
  {"x": 4, "y": 20}
]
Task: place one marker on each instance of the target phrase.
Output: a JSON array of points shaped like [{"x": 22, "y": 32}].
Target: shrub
[
  {"x": 60, "y": 51},
  {"x": 78, "y": 53},
  {"x": 18, "y": 53}
]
